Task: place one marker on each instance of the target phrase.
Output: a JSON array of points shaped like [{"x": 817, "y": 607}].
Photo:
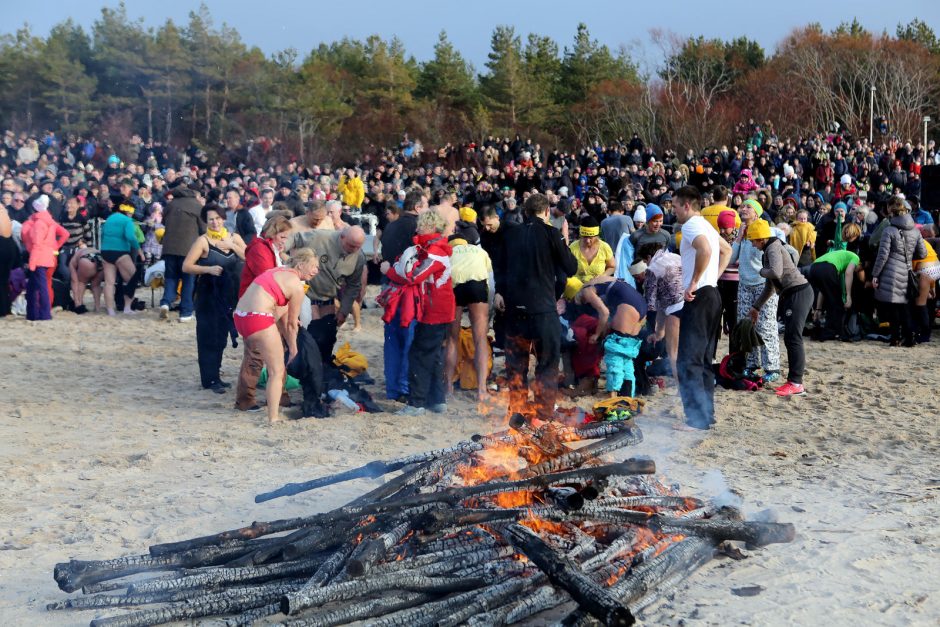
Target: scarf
[
  {"x": 801, "y": 234},
  {"x": 220, "y": 234}
]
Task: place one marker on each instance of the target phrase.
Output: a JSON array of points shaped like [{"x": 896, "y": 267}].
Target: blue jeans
[
  {"x": 397, "y": 345},
  {"x": 172, "y": 275}
]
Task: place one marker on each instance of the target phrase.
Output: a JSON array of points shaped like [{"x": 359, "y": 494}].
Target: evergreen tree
[{"x": 447, "y": 78}]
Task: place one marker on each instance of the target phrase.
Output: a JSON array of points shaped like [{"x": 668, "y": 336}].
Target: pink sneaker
[{"x": 790, "y": 389}]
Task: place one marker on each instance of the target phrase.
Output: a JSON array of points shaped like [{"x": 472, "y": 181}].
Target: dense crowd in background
[{"x": 577, "y": 257}]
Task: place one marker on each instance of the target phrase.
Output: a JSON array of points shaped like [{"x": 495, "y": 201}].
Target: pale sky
[{"x": 274, "y": 25}]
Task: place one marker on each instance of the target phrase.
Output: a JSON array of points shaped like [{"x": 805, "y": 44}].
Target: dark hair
[
  {"x": 615, "y": 207},
  {"x": 392, "y": 207},
  {"x": 219, "y": 209},
  {"x": 536, "y": 204},
  {"x": 690, "y": 194},
  {"x": 488, "y": 211},
  {"x": 646, "y": 251},
  {"x": 720, "y": 193},
  {"x": 413, "y": 198}
]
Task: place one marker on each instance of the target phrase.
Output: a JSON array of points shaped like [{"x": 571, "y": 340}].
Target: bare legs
[
  {"x": 479, "y": 324},
  {"x": 269, "y": 345},
  {"x": 124, "y": 265}
]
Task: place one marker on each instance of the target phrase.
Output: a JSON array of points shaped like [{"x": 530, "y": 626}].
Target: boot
[{"x": 921, "y": 323}]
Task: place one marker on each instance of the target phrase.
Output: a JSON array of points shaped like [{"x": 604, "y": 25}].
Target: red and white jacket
[{"x": 422, "y": 287}]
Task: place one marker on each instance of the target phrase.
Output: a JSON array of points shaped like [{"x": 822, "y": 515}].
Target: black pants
[
  {"x": 212, "y": 332},
  {"x": 898, "y": 316},
  {"x": 826, "y": 280},
  {"x": 795, "y": 306},
  {"x": 426, "y": 365},
  {"x": 525, "y": 334},
  {"x": 323, "y": 332},
  {"x": 701, "y": 319},
  {"x": 9, "y": 257},
  {"x": 307, "y": 367},
  {"x": 728, "y": 290}
]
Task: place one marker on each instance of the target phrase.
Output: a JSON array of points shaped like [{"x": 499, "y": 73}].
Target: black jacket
[
  {"x": 397, "y": 236},
  {"x": 534, "y": 259}
]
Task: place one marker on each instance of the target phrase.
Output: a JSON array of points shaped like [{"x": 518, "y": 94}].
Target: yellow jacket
[{"x": 353, "y": 191}]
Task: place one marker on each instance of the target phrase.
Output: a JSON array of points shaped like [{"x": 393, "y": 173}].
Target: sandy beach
[{"x": 108, "y": 445}]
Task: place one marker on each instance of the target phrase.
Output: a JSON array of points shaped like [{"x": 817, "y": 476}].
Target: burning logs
[{"x": 491, "y": 531}]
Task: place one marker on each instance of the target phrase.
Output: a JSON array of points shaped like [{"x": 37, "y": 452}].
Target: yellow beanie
[
  {"x": 572, "y": 287},
  {"x": 759, "y": 229},
  {"x": 467, "y": 214}
]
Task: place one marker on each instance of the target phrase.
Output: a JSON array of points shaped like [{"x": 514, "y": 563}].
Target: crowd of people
[{"x": 646, "y": 262}]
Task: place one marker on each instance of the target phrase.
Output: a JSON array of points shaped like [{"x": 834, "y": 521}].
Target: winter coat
[
  {"x": 182, "y": 222},
  {"x": 426, "y": 290},
  {"x": 900, "y": 243},
  {"x": 353, "y": 191},
  {"x": 42, "y": 236}
]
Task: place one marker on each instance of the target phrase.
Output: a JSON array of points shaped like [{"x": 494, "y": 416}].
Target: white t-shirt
[{"x": 695, "y": 227}]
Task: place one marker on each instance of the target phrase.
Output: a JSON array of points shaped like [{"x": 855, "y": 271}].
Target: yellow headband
[
  {"x": 589, "y": 231},
  {"x": 126, "y": 208}
]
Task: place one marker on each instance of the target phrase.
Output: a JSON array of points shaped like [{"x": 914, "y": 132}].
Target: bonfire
[{"x": 515, "y": 526}]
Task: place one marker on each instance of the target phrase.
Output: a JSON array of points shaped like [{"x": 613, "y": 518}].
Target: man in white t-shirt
[
  {"x": 259, "y": 211},
  {"x": 704, "y": 255}
]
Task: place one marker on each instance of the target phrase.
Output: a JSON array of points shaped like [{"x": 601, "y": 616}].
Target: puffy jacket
[
  {"x": 353, "y": 190},
  {"x": 900, "y": 243},
  {"x": 182, "y": 222},
  {"x": 423, "y": 273},
  {"x": 42, "y": 236},
  {"x": 260, "y": 255}
]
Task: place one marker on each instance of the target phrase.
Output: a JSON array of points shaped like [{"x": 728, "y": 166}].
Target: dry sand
[{"x": 107, "y": 445}]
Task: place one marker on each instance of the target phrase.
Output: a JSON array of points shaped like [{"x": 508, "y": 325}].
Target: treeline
[{"x": 201, "y": 83}]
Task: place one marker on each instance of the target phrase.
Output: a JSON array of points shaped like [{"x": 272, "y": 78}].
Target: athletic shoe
[
  {"x": 254, "y": 408},
  {"x": 440, "y": 408},
  {"x": 188, "y": 318},
  {"x": 217, "y": 387},
  {"x": 409, "y": 410},
  {"x": 224, "y": 384},
  {"x": 790, "y": 389},
  {"x": 771, "y": 377},
  {"x": 164, "y": 312}
]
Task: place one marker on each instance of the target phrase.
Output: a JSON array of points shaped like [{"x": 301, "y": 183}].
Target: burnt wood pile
[{"x": 527, "y": 524}]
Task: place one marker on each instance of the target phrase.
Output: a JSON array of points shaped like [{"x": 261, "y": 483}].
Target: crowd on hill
[{"x": 618, "y": 253}]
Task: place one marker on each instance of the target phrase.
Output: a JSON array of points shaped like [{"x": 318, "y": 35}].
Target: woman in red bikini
[{"x": 267, "y": 316}]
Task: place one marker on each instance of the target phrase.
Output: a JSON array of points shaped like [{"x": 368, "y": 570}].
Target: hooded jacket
[
  {"x": 422, "y": 274},
  {"x": 42, "y": 236},
  {"x": 900, "y": 244},
  {"x": 352, "y": 189},
  {"x": 182, "y": 222}
]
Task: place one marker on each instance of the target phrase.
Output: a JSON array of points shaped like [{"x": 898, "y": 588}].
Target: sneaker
[
  {"x": 409, "y": 410},
  {"x": 771, "y": 377},
  {"x": 188, "y": 318},
  {"x": 224, "y": 384},
  {"x": 790, "y": 389},
  {"x": 254, "y": 408},
  {"x": 439, "y": 408},
  {"x": 217, "y": 387},
  {"x": 164, "y": 312}
]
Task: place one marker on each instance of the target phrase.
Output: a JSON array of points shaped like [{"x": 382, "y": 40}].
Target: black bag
[{"x": 913, "y": 286}]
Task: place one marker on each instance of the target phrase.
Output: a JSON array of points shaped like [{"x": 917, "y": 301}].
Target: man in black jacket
[
  {"x": 183, "y": 225},
  {"x": 535, "y": 256},
  {"x": 397, "y": 235}
]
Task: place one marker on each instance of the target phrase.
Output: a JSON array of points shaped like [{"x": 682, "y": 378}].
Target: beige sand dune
[{"x": 107, "y": 445}]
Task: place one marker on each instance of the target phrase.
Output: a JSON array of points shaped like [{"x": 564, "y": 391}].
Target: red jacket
[
  {"x": 426, "y": 290},
  {"x": 259, "y": 256},
  {"x": 42, "y": 236}
]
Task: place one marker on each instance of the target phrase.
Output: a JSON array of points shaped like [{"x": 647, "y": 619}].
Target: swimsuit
[
  {"x": 250, "y": 322},
  {"x": 247, "y": 323}
]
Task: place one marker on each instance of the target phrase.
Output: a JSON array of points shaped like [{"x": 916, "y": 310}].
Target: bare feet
[{"x": 277, "y": 419}]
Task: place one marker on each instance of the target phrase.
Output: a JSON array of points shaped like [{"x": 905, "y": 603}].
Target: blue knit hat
[{"x": 652, "y": 211}]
